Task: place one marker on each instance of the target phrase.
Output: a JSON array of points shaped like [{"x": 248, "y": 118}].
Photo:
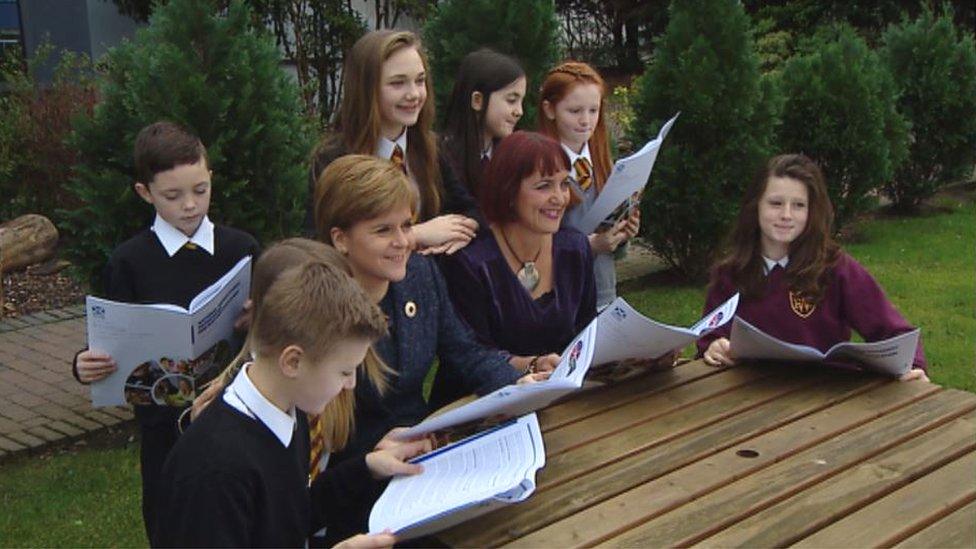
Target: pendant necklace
[{"x": 528, "y": 275}]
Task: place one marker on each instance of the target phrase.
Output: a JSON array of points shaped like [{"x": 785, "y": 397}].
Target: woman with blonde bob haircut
[
  {"x": 364, "y": 208},
  {"x": 387, "y": 111}
]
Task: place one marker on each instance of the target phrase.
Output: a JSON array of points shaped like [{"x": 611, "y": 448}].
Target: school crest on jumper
[{"x": 801, "y": 306}]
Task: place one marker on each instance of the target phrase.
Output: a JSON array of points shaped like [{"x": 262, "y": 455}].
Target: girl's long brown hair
[
  {"x": 811, "y": 254},
  {"x": 357, "y": 124},
  {"x": 557, "y": 85},
  {"x": 337, "y": 418}
]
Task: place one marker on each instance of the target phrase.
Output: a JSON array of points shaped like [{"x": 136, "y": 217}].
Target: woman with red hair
[
  {"x": 525, "y": 286},
  {"x": 572, "y": 112}
]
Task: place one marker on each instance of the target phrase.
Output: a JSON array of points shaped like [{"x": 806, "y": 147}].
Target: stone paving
[{"x": 40, "y": 401}]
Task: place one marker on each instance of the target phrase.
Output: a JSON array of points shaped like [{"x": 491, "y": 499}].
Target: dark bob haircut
[{"x": 517, "y": 156}]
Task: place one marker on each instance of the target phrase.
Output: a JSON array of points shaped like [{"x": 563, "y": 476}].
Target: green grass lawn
[
  {"x": 80, "y": 496},
  {"x": 90, "y": 496}
]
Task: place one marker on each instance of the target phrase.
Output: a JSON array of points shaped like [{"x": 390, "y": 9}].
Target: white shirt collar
[
  {"x": 244, "y": 397},
  {"x": 384, "y": 147},
  {"x": 584, "y": 153},
  {"x": 173, "y": 239},
  {"x": 487, "y": 152},
  {"x": 768, "y": 264}
]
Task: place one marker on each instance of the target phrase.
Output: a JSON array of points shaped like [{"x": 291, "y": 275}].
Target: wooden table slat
[
  {"x": 601, "y": 399},
  {"x": 650, "y": 496},
  {"x": 955, "y": 530},
  {"x": 610, "y": 476},
  {"x": 860, "y": 488},
  {"x": 704, "y": 391},
  {"x": 760, "y": 488}
]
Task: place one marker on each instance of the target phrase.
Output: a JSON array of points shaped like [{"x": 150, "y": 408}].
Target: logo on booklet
[
  {"x": 619, "y": 313},
  {"x": 801, "y": 306}
]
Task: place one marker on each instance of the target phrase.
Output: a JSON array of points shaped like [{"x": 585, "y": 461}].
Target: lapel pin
[{"x": 410, "y": 309}]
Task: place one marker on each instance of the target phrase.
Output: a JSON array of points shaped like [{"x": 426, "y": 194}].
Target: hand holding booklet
[
  {"x": 463, "y": 480},
  {"x": 629, "y": 176},
  {"x": 893, "y": 356},
  {"x": 163, "y": 352},
  {"x": 619, "y": 332}
]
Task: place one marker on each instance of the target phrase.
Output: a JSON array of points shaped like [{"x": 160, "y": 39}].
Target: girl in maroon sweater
[{"x": 796, "y": 283}]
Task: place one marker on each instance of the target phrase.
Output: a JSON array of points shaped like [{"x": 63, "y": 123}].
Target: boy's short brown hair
[
  {"x": 313, "y": 306},
  {"x": 162, "y": 146}
]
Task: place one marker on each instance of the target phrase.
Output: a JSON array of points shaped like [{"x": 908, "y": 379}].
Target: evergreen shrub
[
  {"x": 705, "y": 66},
  {"x": 934, "y": 67},
  {"x": 839, "y": 109},
  {"x": 525, "y": 29},
  {"x": 219, "y": 76}
]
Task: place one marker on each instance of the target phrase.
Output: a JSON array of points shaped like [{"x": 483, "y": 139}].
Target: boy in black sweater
[
  {"x": 172, "y": 261},
  {"x": 239, "y": 476}
]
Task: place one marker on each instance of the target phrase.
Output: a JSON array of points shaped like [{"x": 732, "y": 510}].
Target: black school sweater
[
  {"x": 140, "y": 271},
  {"x": 229, "y": 482}
]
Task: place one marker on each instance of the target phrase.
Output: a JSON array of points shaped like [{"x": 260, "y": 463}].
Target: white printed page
[
  {"x": 136, "y": 336},
  {"x": 747, "y": 342},
  {"x": 719, "y": 316},
  {"x": 162, "y": 352},
  {"x": 629, "y": 176},
  {"x": 456, "y": 478},
  {"x": 893, "y": 356},
  {"x": 623, "y": 333},
  {"x": 213, "y": 318}
]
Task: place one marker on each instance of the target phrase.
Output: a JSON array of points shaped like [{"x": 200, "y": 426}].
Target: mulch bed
[{"x": 26, "y": 292}]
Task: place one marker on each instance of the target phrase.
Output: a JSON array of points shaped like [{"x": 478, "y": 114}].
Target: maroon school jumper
[{"x": 852, "y": 299}]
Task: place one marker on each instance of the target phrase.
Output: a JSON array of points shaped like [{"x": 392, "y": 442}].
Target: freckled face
[{"x": 576, "y": 115}]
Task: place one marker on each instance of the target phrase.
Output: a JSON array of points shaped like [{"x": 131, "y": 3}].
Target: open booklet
[
  {"x": 893, "y": 356},
  {"x": 463, "y": 480},
  {"x": 629, "y": 176},
  {"x": 163, "y": 352},
  {"x": 619, "y": 332}
]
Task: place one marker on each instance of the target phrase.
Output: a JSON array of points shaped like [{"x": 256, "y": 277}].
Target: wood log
[{"x": 26, "y": 240}]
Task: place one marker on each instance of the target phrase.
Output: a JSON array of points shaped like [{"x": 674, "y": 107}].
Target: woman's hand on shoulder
[
  {"x": 444, "y": 233},
  {"x": 915, "y": 374},
  {"x": 94, "y": 365},
  {"x": 718, "y": 353},
  {"x": 368, "y": 541}
]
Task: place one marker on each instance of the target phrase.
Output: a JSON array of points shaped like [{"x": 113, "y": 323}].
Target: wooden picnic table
[{"x": 756, "y": 455}]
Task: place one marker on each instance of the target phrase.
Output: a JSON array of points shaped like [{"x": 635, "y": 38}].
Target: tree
[
  {"x": 934, "y": 68},
  {"x": 525, "y": 29},
  {"x": 704, "y": 66},
  {"x": 840, "y": 110},
  {"x": 219, "y": 76}
]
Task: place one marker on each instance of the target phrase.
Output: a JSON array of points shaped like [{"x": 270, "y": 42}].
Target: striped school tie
[
  {"x": 317, "y": 446},
  {"x": 397, "y": 158},
  {"x": 584, "y": 174}
]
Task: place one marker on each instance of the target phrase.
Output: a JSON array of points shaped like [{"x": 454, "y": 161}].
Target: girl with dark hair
[
  {"x": 387, "y": 111},
  {"x": 485, "y": 106},
  {"x": 796, "y": 283},
  {"x": 525, "y": 285}
]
